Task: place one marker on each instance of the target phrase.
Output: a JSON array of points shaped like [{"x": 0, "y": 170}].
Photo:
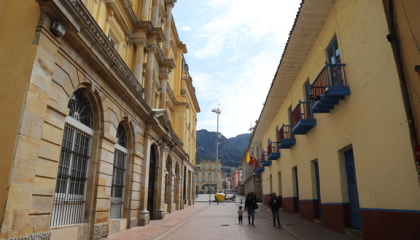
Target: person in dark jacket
[
  {"x": 250, "y": 208},
  {"x": 274, "y": 205}
]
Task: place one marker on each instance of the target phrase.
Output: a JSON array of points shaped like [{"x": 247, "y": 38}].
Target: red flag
[{"x": 253, "y": 160}]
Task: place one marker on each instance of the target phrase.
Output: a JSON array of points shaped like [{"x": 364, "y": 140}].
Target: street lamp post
[{"x": 217, "y": 111}]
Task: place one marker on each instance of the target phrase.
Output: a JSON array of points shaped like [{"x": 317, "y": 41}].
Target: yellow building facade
[
  {"x": 208, "y": 177},
  {"x": 98, "y": 117},
  {"x": 337, "y": 137}
]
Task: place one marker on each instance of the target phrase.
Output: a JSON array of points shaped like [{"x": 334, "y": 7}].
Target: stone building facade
[{"x": 98, "y": 117}]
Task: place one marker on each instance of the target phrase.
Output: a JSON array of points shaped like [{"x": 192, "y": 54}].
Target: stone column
[
  {"x": 163, "y": 86},
  {"x": 140, "y": 41},
  {"x": 167, "y": 49},
  {"x": 160, "y": 179},
  {"x": 155, "y": 13},
  {"x": 149, "y": 74},
  {"x": 144, "y": 16},
  {"x": 144, "y": 216}
]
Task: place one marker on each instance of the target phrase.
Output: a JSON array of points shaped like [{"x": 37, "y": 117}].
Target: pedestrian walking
[
  {"x": 240, "y": 213},
  {"x": 250, "y": 205},
  {"x": 274, "y": 206}
]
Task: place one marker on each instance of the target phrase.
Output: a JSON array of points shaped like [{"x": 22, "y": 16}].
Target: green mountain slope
[{"x": 231, "y": 150}]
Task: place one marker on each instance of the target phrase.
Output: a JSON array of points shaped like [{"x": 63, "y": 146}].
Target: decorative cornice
[
  {"x": 151, "y": 30},
  {"x": 100, "y": 41},
  {"x": 170, "y": 3},
  {"x": 168, "y": 63}
]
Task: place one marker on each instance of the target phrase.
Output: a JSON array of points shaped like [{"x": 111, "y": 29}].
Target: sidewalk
[
  {"x": 303, "y": 229},
  {"x": 296, "y": 226}
]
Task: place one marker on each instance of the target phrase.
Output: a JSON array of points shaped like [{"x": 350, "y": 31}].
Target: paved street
[{"x": 219, "y": 221}]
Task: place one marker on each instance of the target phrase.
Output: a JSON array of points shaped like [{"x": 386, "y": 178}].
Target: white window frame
[{"x": 58, "y": 216}]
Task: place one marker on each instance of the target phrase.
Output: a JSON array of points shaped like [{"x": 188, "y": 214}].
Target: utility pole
[{"x": 217, "y": 111}]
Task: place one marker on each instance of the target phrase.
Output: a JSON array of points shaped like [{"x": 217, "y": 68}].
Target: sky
[{"x": 234, "y": 49}]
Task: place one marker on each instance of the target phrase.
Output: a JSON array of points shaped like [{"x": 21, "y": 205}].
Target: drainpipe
[{"x": 393, "y": 39}]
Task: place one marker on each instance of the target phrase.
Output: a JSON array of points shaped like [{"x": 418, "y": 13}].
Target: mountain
[{"x": 230, "y": 150}]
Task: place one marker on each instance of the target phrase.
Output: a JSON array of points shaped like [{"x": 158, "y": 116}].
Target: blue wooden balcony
[
  {"x": 259, "y": 171},
  {"x": 302, "y": 117},
  {"x": 273, "y": 151},
  {"x": 266, "y": 163},
  {"x": 286, "y": 138},
  {"x": 329, "y": 88}
]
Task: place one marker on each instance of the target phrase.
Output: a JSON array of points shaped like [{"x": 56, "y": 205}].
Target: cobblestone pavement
[{"x": 219, "y": 221}]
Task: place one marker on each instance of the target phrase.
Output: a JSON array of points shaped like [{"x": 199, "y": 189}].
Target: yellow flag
[{"x": 247, "y": 157}]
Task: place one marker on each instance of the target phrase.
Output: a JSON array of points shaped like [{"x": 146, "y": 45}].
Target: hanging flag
[
  {"x": 247, "y": 159},
  {"x": 252, "y": 161},
  {"x": 251, "y": 128}
]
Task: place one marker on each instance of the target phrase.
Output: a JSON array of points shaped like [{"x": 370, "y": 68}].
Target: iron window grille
[
  {"x": 166, "y": 184},
  {"x": 118, "y": 175},
  {"x": 70, "y": 191}
]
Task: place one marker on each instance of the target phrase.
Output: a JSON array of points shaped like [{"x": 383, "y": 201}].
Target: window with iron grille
[
  {"x": 70, "y": 191},
  {"x": 118, "y": 175},
  {"x": 166, "y": 184}
]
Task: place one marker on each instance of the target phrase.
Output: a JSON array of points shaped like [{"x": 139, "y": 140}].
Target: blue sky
[{"x": 234, "y": 48}]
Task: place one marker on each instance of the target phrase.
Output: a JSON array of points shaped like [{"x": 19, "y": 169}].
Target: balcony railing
[
  {"x": 273, "y": 151},
  {"x": 287, "y": 140},
  {"x": 302, "y": 117},
  {"x": 329, "y": 88},
  {"x": 264, "y": 156},
  {"x": 259, "y": 168},
  {"x": 256, "y": 165}
]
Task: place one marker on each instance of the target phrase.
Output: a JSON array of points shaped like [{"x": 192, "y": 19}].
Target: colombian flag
[
  {"x": 253, "y": 161},
  {"x": 247, "y": 160}
]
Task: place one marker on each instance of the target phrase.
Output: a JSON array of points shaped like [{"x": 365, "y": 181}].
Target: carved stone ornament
[
  {"x": 134, "y": 222},
  {"x": 100, "y": 231},
  {"x": 34, "y": 236}
]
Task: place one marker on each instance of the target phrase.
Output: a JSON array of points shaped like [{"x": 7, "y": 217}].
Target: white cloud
[
  {"x": 186, "y": 28},
  {"x": 234, "y": 52}
]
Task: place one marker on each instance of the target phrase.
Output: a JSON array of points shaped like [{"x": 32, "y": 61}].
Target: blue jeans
[
  {"x": 251, "y": 211},
  {"x": 276, "y": 215}
]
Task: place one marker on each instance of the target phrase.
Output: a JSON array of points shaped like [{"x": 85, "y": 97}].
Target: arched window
[
  {"x": 118, "y": 175},
  {"x": 70, "y": 191}
]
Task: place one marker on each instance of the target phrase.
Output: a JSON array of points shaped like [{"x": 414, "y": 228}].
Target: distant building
[
  {"x": 98, "y": 118},
  {"x": 206, "y": 180},
  {"x": 237, "y": 178},
  {"x": 337, "y": 137}
]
